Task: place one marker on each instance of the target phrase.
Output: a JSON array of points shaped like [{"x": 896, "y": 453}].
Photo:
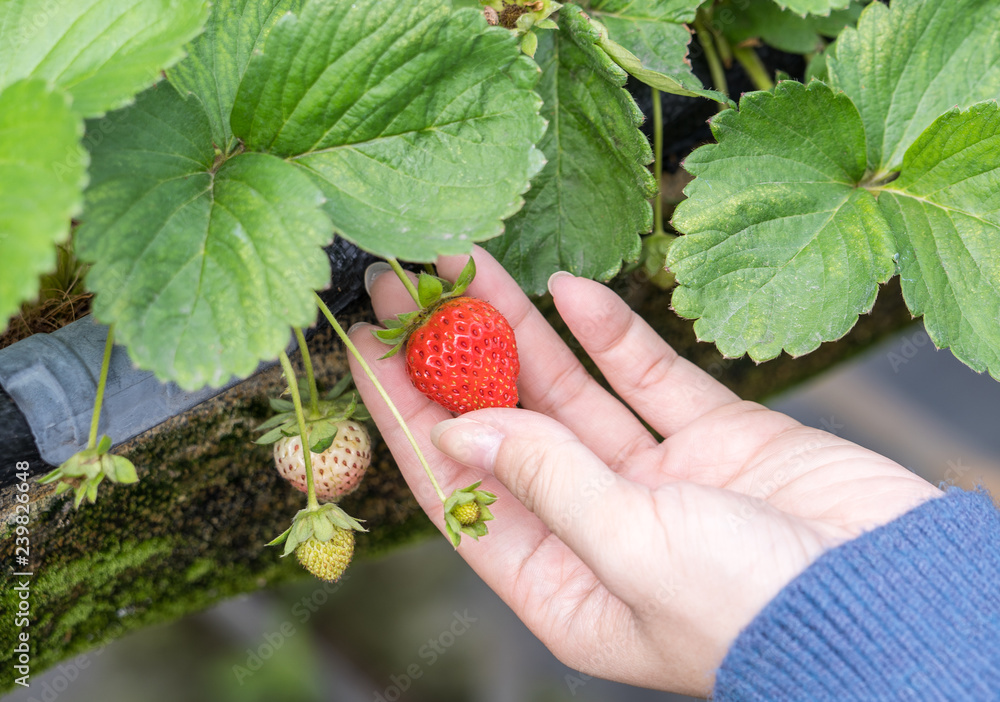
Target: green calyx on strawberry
[
  {"x": 522, "y": 17},
  {"x": 336, "y": 406},
  {"x": 460, "y": 351},
  {"x": 466, "y": 511},
  {"x": 432, "y": 292},
  {"x": 84, "y": 472},
  {"x": 322, "y": 538}
]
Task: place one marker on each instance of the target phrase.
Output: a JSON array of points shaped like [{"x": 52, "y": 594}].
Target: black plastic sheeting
[{"x": 48, "y": 382}]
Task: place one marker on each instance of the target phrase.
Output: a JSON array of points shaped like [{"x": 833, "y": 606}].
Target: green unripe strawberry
[
  {"x": 466, "y": 511},
  {"x": 467, "y": 514},
  {"x": 327, "y": 560}
]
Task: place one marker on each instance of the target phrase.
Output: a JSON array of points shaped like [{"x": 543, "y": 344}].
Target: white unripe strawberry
[{"x": 337, "y": 471}]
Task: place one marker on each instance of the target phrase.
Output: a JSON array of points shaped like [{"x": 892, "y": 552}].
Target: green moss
[{"x": 192, "y": 532}]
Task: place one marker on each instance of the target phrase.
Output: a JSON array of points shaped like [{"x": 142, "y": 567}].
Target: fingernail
[
  {"x": 468, "y": 442},
  {"x": 356, "y": 326},
  {"x": 555, "y": 276},
  {"x": 374, "y": 271}
]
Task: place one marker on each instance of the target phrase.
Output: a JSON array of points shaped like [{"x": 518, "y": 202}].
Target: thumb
[{"x": 592, "y": 509}]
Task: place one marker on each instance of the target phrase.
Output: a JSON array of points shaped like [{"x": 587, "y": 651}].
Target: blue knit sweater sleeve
[{"x": 908, "y": 611}]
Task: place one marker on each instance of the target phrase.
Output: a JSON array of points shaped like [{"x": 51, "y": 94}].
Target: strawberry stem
[
  {"x": 754, "y": 67},
  {"x": 310, "y": 377},
  {"x": 95, "y": 419},
  {"x": 712, "y": 57},
  {"x": 381, "y": 391},
  {"x": 658, "y": 162},
  {"x": 407, "y": 283},
  {"x": 293, "y": 387}
]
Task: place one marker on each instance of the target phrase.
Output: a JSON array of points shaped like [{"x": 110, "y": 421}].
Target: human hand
[{"x": 630, "y": 558}]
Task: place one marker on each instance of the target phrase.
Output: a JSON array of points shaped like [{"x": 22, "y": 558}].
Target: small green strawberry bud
[
  {"x": 84, "y": 471},
  {"x": 466, "y": 511},
  {"x": 467, "y": 514}
]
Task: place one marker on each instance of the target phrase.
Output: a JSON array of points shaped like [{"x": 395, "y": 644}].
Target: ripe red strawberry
[
  {"x": 337, "y": 471},
  {"x": 327, "y": 560},
  {"x": 460, "y": 351},
  {"x": 464, "y": 356}
]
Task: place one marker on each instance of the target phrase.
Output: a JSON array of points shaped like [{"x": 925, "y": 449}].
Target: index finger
[{"x": 518, "y": 541}]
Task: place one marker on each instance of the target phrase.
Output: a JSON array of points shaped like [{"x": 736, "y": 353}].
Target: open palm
[{"x": 631, "y": 558}]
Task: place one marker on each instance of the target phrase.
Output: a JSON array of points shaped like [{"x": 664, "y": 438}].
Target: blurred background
[{"x": 419, "y": 626}]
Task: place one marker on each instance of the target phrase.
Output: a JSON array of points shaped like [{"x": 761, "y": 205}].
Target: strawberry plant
[{"x": 200, "y": 157}]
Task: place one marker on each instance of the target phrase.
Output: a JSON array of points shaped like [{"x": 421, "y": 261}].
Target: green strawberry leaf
[
  {"x": 340, "y": 387},
  {"x": 945, "y": 210},
  {"x": 123, "y": 469},
  {"x": 631, "y": 63},
  {"x": 322, "y": 445},
  {"x": 429, "y": 289},
  {"x": 417, "y": 122},
  {"x": 302, "y": 529},
  {"x": 279, "y": 405},
  {"x": 816, "y": 69},
  {"x": 783, "y": 250},
  {"x": 101, "y": 51},
  {"x": 280, "y": 539},
  {"x": 813, "y": 7},
  {"x": 218, "y": 58},
  {"x": 783, "y": 29},
  {"x": 322, "y": 528},
  {"x": 203, "y": 263},
  {"x": 464, "y": 279},
  {"x": 82, "y": 491},
  {"x": 905, "y": 66},
  {"x": 275, "y": 434},
  {"x": 42, "y": 174},
  {"x": 587, "y": 207},
  {"x": 338, "y": 517},
  {"x": 649, "y": 40},
  {"x": 390, "y": 334},
  {"x": 453, "y": 528},
  {"x": 785, "y": 247},
  {"x": 321, "y": 435}
]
